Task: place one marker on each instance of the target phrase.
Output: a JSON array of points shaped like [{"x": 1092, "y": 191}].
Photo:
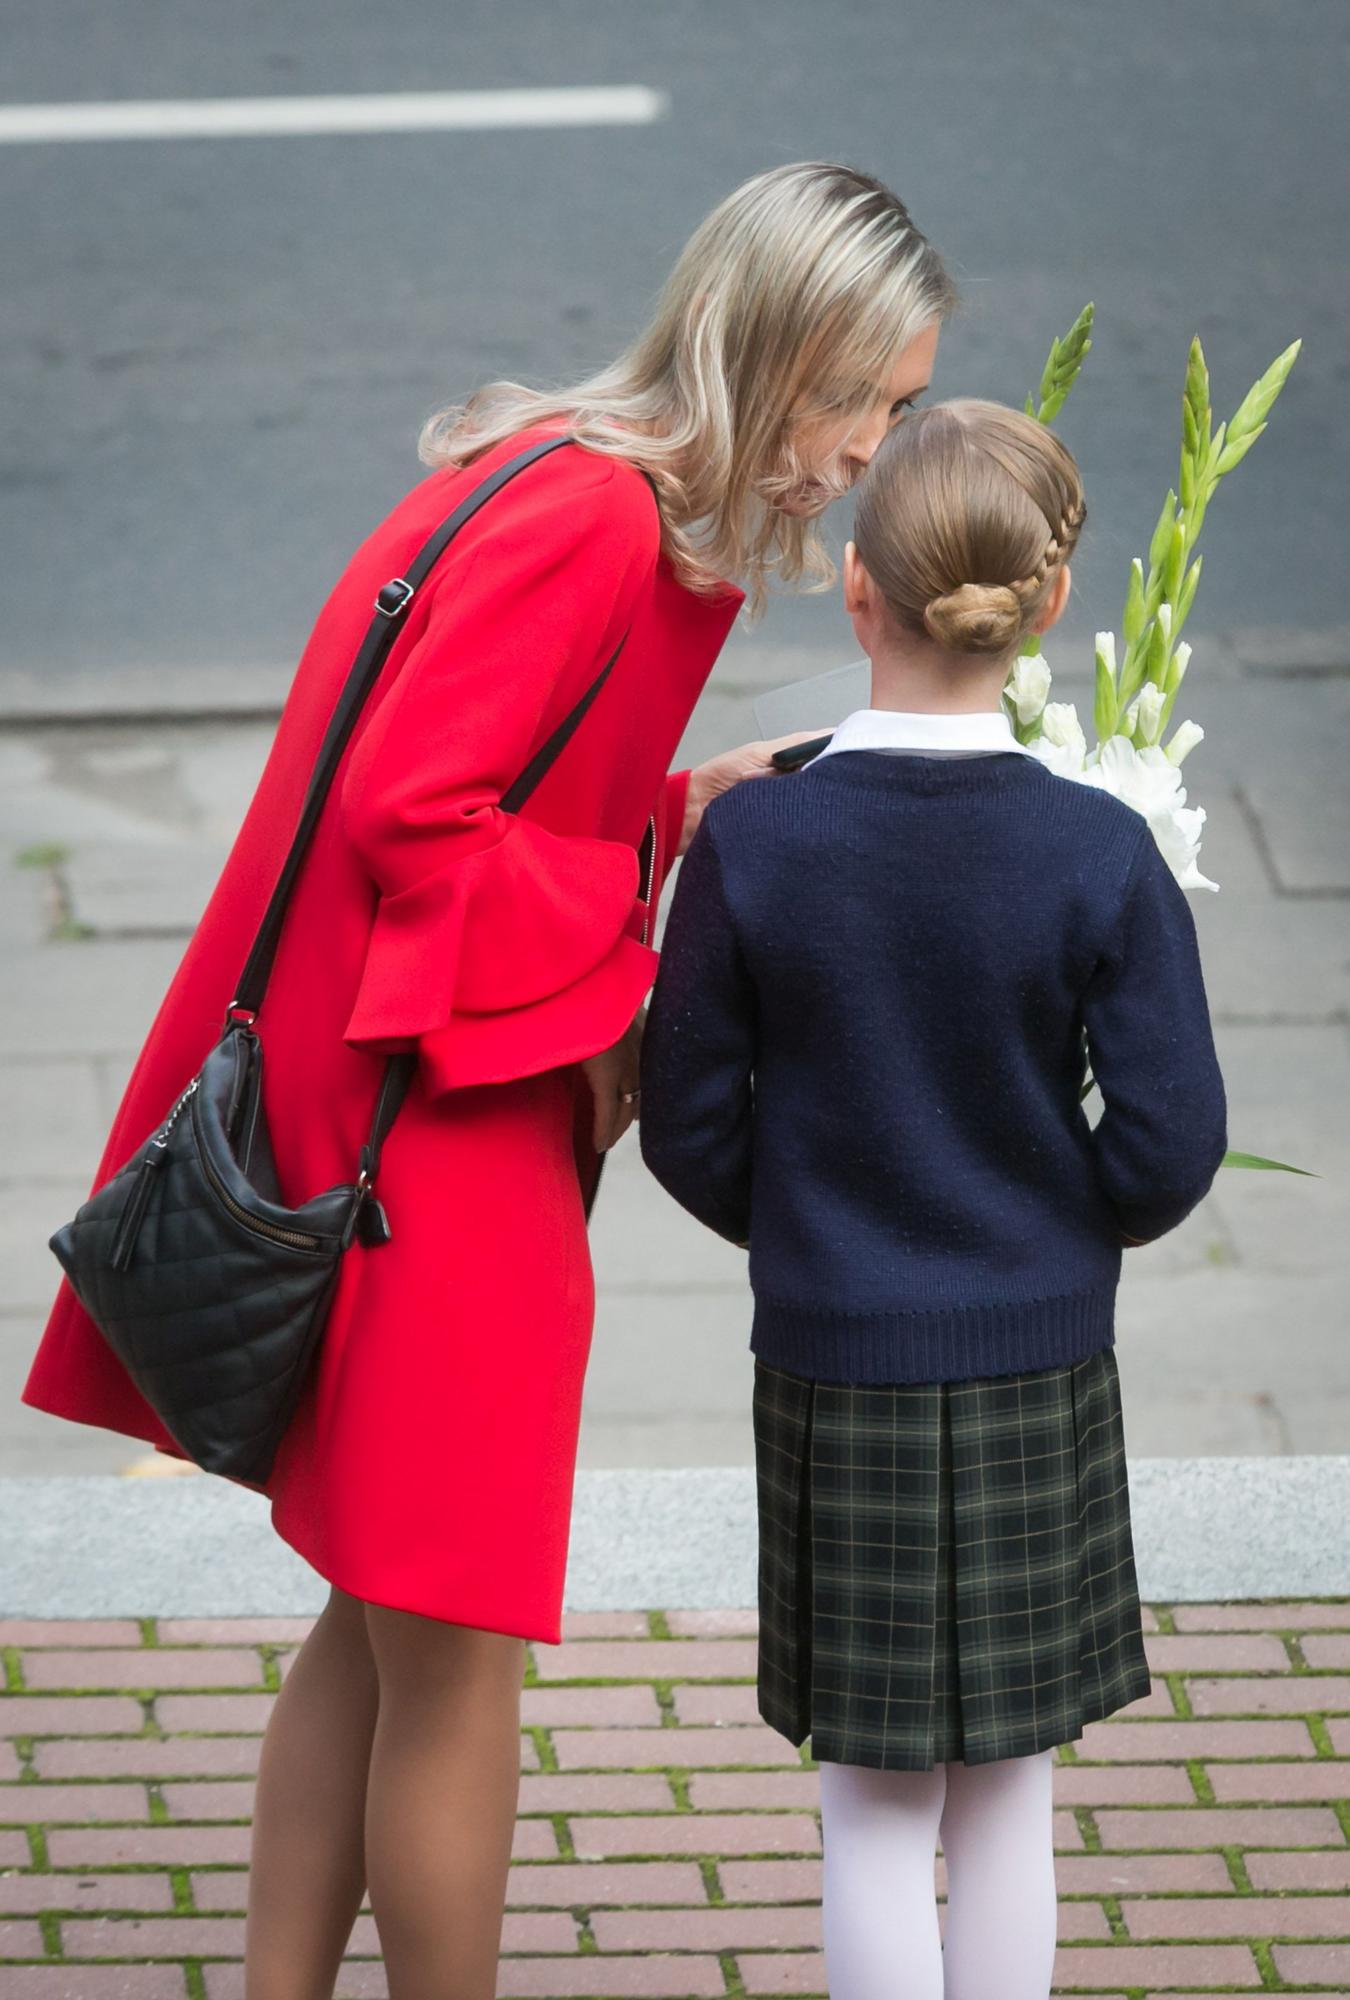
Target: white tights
[{"x": 881, "y": 1830}]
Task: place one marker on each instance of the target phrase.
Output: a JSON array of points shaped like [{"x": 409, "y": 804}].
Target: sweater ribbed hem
[{"x": 949, "y": 1344}]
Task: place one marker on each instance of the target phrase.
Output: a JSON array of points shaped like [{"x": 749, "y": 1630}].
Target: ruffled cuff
[
  {"x": 563, "y": 1027},
  {"x": 521, "y": 950}
]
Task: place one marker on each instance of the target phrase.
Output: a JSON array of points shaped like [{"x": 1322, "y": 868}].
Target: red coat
[{"x": 429, "y": 1465}]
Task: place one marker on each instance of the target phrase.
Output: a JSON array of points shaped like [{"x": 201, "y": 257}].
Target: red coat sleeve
[
  {"x": 498, "y": 948},
  {"x": 674, "y": 799}
]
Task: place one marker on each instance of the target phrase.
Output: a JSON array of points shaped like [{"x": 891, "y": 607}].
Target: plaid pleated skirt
[{"x": 946, "y": 1569}]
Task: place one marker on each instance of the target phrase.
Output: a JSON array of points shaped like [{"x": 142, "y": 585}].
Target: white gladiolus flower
[
  {"x": 1146, "y": 712},
  {"x": 1150, "y": 782},
  {"x": 1184, "y": 740},
  {"x": 1147, "y": 779},
  {"x": 1060, "y": 726},
  {"x": 1060, "y": 723},
  {"x": 1181, "y": 659},
  {"x": 1061, "y": 758},
  {"x": 1029, "y": 687},
  {"x": 1105, "y": 646}
]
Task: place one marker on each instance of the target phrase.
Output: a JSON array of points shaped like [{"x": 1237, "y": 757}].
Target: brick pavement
[{"x": 668, "y": 1845}]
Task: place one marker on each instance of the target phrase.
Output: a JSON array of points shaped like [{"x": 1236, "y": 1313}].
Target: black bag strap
[{"x": 391, "y": 603}]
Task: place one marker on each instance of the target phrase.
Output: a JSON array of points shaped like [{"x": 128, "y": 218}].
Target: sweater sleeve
[
  {"x": 698, "y": 1053},
  {"x": 1162, "y": 1135},
  {"x": 500, "y": 949}
]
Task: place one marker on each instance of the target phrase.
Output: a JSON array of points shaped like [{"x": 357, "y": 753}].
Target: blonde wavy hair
[
  {"x": 792, "y": 300},
  {"x": 966, "y": 514}
]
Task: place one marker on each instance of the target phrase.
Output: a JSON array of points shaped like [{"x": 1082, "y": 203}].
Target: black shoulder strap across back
[{"x": 391, "y": 603}]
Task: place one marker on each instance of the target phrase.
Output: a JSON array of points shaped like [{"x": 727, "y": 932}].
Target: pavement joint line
[
  {"x": 1260, "y": 840},
  {"x": 1181, "y": 1701},
  {"x": 1266, "y": 1965},
  {"x": 1111, "y": 1910}
]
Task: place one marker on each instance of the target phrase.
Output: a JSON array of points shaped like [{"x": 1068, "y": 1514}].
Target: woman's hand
[
  {"x": 719, "y": 774},
  {"x": 613, "y": 1077}
]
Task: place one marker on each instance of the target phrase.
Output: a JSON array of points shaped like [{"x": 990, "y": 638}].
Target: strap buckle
[{"x": 394, "y": 597}]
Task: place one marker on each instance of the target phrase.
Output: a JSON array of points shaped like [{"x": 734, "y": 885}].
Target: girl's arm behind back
[{"x": 1161, "y": 1138}]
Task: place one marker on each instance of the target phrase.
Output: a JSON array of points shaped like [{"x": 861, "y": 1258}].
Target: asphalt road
[{"x": 217, "y": 353}]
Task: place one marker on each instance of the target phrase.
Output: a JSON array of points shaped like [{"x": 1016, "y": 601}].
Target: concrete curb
[
  {"x": 31, "y": 698},
  {"x": 1205, "y": 1530},
  {"x": 143, "y": 694}
]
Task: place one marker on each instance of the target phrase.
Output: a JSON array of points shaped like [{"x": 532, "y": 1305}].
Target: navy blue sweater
[{"x": 865, "y": 1056}]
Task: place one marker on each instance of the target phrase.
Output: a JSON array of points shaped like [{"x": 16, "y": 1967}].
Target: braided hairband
[{"x": 1060, "y": 543}]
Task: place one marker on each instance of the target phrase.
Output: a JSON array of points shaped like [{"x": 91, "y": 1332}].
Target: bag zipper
[
  {"x": 294, "y": 1238},
  {"x": 649, "y": 842}
]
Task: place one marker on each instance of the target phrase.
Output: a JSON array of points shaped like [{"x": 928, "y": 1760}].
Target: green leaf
[
  {"x": 1132, "y": 623},
  {"x": 1266, "y": 1166},
  {"x": 1105, "y": 708}
]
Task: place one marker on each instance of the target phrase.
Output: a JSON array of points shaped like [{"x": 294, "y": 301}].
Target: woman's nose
[{"x": 864, "y": 442}]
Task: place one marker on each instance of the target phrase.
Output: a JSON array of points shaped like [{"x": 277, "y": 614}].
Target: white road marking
[{"x": 392, "y": 111}]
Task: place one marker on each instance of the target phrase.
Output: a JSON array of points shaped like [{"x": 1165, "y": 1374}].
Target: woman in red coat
[{"x": 427, "y": 1473}]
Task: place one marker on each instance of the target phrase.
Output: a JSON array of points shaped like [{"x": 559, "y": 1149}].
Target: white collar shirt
[{"x": 983, "y": 734}]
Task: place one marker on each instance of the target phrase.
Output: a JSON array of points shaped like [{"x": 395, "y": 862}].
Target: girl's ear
[
  {"x": 855, "y": 581},
  {"x": 1052, "y": 610}
]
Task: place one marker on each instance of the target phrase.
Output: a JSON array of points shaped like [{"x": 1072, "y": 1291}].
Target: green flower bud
[
  {"x": 1105, "y": 707},
  {"x": 1162, "y": 534}
]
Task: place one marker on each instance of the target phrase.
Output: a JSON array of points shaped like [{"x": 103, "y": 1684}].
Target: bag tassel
[{"x": 133, "y": 1210}]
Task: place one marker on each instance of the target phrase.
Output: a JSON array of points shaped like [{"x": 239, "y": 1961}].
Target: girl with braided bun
[{"x": 864, "y": 1063}]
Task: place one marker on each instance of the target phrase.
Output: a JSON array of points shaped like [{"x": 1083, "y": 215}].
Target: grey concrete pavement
[{"x": 1232, "y": 1332}]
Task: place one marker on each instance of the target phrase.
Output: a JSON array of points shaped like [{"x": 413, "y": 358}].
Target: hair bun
[{"x": 976, "y": 618}]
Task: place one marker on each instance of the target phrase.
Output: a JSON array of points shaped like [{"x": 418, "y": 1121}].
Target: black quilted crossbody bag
[{"x": 209, "y": 1290}]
